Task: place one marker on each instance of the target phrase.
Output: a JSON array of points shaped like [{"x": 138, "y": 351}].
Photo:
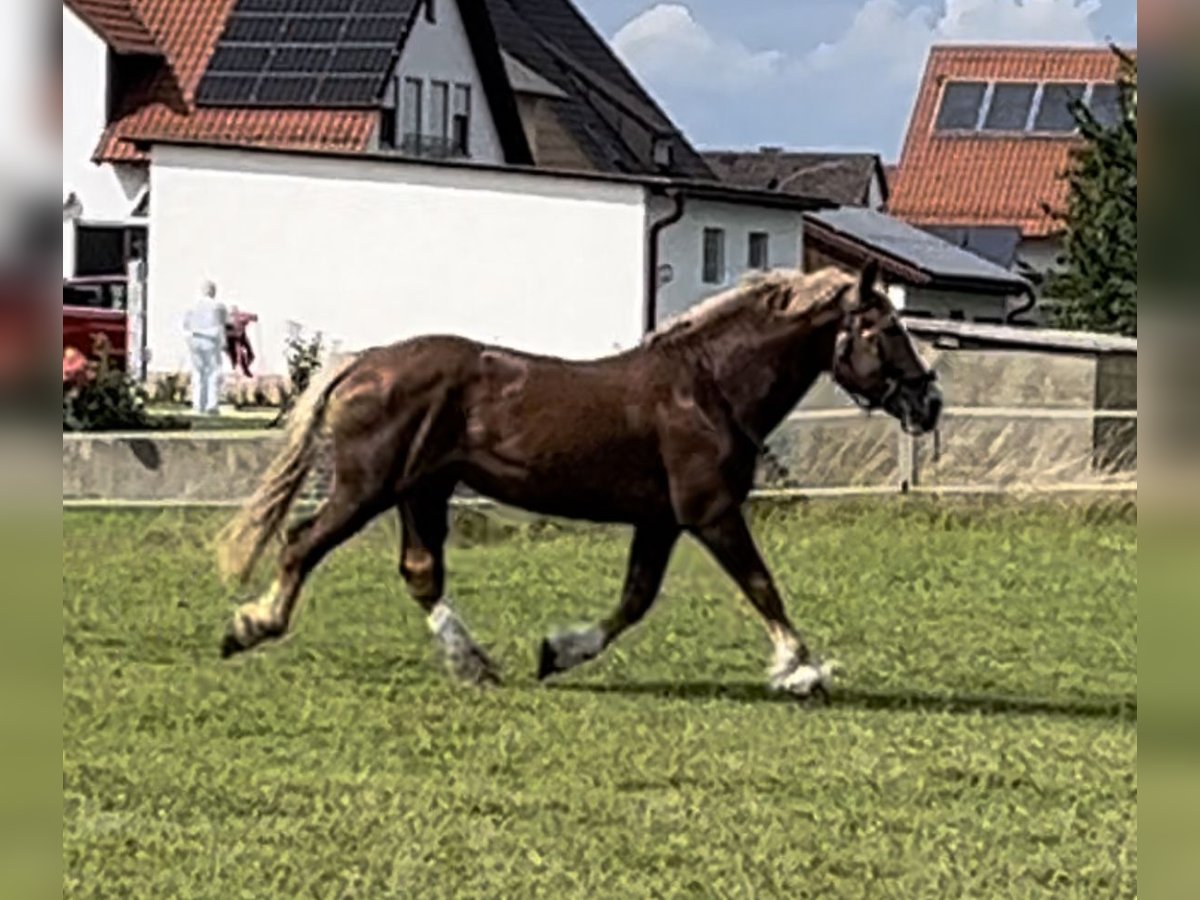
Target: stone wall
[{"x": 1014, "y": 419}]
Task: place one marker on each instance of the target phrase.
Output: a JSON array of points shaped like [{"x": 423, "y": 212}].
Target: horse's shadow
[{"x": 1113, "y": 707}]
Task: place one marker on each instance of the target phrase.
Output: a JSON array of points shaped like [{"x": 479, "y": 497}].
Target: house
[
  {"x": 379, "y": 168},
  {"x": 924, "y": 275},
  {"x": 989, "y": 140},
  {"x": 846, "y": 179}
]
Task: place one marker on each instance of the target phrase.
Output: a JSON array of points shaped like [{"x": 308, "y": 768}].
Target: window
[
  {"x": 99, "y": 250},
  {"x": 461, "y": 123},
  {"x": 758, "y": 255},
  {"x": 431, "y": 11},
  {"x": 1106, "y": 104},
  {"x": 387, "y": 128},
  {"x": 107, "y": 249},
  {"x": 961, "y": 101},
  {"x": 714, "y": 255},
  {"x": 1054, "y": 113},
  {"x": 411, "y": 109},
  {"x": 439, "y": 111},
  {"x": 1009, "y": 110}
]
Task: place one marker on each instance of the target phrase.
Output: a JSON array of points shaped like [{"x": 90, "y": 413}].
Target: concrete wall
[
  {"x": 682, "y": 246},
  {"x": 440, "y": 51},
  {"x": 371, "y": 251},
  {"x": 1015, "y": 420}
]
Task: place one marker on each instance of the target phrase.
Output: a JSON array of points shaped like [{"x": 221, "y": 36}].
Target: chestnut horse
[{"x": 664, "y": 437}]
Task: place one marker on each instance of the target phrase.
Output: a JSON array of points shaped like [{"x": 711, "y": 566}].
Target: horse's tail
[{"x": 242, "y": 541}]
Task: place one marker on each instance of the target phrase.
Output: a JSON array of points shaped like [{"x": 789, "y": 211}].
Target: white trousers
[{"x": 206, "y": 374}]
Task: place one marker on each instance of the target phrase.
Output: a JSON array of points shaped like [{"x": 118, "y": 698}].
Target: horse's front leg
[
  {"x": 792, "y": 670},
  {"x": 648, "y": 557}
]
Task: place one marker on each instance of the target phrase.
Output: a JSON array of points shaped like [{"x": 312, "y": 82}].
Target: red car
[{"x": 95, "y": 306}]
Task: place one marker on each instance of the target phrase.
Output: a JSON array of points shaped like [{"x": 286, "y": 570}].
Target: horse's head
[{"x": 876, "y": 362}]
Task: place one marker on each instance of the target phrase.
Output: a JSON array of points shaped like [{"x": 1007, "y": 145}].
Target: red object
[
  {"x": 990, "y": 179},
  {"x": 75, "y": 366},
  {"x": 87, "y": 314},
  {"x": 237, "y": 344}
]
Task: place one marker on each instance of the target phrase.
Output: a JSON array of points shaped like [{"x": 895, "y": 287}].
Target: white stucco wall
[
  {"x": 108, "y": 193},
  {"x": 440, "y": 51},
  {"x": 372, "y": 251},
  {"x": 682, "y": 246}
]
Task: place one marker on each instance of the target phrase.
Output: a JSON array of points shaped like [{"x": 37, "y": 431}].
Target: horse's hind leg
[
  {"x": 424, "y": 520},
  {"x": 648, "y": 558},
  {"x": 340, "y": 517}
]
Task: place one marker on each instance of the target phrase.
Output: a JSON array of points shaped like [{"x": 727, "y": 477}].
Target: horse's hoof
[
  {"x": 809, "y": 681},
  {"x": 547, "y": 661},
  {"x": 231, "y": 646},
  {"x": 476, "y": 668}
]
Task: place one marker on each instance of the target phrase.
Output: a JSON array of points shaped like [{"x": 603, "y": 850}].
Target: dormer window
[{"x": 461, "y": 122}]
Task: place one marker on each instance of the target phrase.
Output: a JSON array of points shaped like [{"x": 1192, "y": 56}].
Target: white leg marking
[{"x": 465, "y": 657}]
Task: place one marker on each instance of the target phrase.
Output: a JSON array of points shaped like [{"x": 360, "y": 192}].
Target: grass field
[{"x": 982, "y": 743}]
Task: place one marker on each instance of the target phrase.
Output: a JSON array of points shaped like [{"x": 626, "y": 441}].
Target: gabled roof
[
  {"x": 842, "y": 178},
  {"x": 547, "y": 42},
  {"x": 988, "y": 179},
  {"x": 606, "y": 111},
  {"x": 118, "y": 23},
  {"x": 910, "y": 254}
]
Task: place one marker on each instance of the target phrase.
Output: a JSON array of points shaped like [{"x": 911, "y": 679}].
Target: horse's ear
[{"x": 870, "y": 276}]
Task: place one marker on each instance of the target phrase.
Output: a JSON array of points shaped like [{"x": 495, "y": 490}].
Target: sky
[{"x": 821, "y": 74}]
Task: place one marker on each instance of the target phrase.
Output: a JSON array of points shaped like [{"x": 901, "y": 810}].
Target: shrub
[
  {"x": 303, "y": 361},
  {"x": 98, "y": 396}
]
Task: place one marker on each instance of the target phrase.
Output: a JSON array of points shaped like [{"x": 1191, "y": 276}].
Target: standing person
[
  {"x": 204, "y": 326},
  {"x": 237, "y": 342}
]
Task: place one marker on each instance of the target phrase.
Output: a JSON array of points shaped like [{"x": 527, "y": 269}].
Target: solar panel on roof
[
  {"x": 239, "y": 58},
  {"x": 401, "y": 7},
  {"x": 296, "y": 52},
  {"x": 1009, "y": 109},
  {"x": 1054, "y": 112},
  {"x": 313, "y": 30},
  {"x": 960, "y": 105},
  {"x": 287, "y": 90},
  {"x": 322, "y": 6},
  {"x": 266, "y": 5},
  {"x": 310, "y": 60},
  {"x": 252, "y": 29},
  {"x": 360, "y": 59},
  {"x": 342, "y": 89},
  {"x": 1105, "y": 104},
  {"x": 216, "y": 89}
]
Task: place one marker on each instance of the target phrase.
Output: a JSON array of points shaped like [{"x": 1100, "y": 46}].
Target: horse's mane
[{"x": 785, "y": 290}]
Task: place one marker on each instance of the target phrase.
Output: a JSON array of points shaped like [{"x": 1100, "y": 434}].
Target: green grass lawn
[{"x": 982, "y": 742}]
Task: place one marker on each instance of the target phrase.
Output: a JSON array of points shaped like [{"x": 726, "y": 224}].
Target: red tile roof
[
  {"x": 118, "y": 23},
  {"x": 968, "y": 180},
  {"x": 164, "y": 104}
]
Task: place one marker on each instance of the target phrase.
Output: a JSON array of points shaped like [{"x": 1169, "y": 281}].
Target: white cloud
[
  {"x": 831, "y": 91},
  {"x": 665, "y": 44}
]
